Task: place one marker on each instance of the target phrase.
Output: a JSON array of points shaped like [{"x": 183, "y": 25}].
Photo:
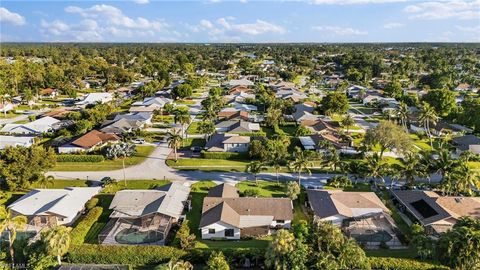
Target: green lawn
[
  {"x": 189, "y": 142},
  {"x": 228, "y": 244},
  {"x": 193, "y": 128},
  {"x": 107, "y": 165},
  {"x": 169, "y": 119},
  {"x": 195, "y": 162},
  {"x": 185, "y": 102},
  {"x": 8, "y": 115},
  {"x": 475, "y": 165},
  {"x": 104, "y": 201},
  {"x": 409, "y": 253},
  {"x": 198, "y": 191},
  {"x": 58, "y": 183},
  {"x": 264, "y": 188},
  {"x": 134, "y": 184}
]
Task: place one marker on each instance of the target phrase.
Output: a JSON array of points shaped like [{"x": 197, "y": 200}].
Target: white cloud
[
  {"x": 115, "y": 16},
  {"x": 474, "y": 30},
  {"x": 393, "y": 25},
  {"x": 141, "y": 2},
  {"x": 11, "y": 17},
  {"x": 339, "y": 31},
  {"x": 353, "y": 2},
  {"x": 458, "y": 9},
  {"x": 226, "y": 29},
  {"x": 85, "y": 30}
]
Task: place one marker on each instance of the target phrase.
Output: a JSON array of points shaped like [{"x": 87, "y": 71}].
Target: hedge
[
  {"x": 80, "y": 158},
  {"x": 91, "y": 203},
  {"x": 224, "y": 155},
  {"x": 80, "y": 231},
  {"x": 387, "y": 263},
  {"x": 133, "y": 255}
]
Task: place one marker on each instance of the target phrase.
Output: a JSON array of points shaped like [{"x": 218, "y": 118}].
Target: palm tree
[
  {"x": 5, "y": 98},
  {"x": 413, "y": 168},
  {"x": 206, "y": 127},
  {"x": 464, "y": 179},
  {"x": 11, "y": 224},
  {"x": 403, "y": 113},
  {"x": 255, "y": 167},
  {"x": 182, "y": 117},
  {"x": 428, "y": 116},
  {"x": 374, "y": 167},
  {"x": 333, "y": 160},
  {"x": 444, "y": 164},
  {"x": 44, "y": 181},
  {"x": 301, "y": 162},
  {"x": 121, "y": 150},
  {"x": 347, "y": 122},
  {"x": 57, "y": 241},
  {"x": 174, "y": 141}
]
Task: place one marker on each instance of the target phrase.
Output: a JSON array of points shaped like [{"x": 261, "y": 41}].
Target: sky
[{"x": 210, "y": 21}]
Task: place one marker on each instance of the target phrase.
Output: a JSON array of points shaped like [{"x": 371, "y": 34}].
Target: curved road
[{"x": 154, "y": 167}]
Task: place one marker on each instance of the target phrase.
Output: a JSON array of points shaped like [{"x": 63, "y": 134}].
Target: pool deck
[{"x": 121, "y": 226}]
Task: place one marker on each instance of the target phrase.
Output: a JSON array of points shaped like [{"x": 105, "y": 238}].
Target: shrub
[
  {"x": 389, "y": 263},
  {"x": 80, "y": 231},
  {"x": 224, "y": 155},
  {"x": 80, "y": 158},
  {"x": 251, "y": 192},
  {"x": 91, "y": 203},
  {"x": 133, "y": 255}
]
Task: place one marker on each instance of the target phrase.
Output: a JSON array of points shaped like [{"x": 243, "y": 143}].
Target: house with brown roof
[
  {"x": 88, "y": 142},
  {"x": 226, "y": 215},
  {"x": 48, "y": 93},
  {"x": 436, "y": 213},
  {"x": 337, "y": 206}
]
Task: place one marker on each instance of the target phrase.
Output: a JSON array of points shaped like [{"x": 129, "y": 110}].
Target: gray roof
[
  {"x": 464, "y": 142},
  {"x": 123, "y": 125},
  {"x": 167, "y": 200}
]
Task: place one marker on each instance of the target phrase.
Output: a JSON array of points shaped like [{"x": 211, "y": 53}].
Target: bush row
[
  {"x": 253, "y": 134},
  {"x": 402, "y": 264},
  {"x": 80, "y": 231},
  {"x": 133, "y": 255},
  {"x": 80, "y": 158},
  {"x": 224, "y": 155},
  {"x": 91, "y": 203}
]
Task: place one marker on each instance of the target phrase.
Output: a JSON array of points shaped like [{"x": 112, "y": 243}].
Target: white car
[{"x": 138, "y": 141}]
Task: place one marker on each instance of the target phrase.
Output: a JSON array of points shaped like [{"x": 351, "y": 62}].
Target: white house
[
  {"x": 150, "y": 104},
  {"x": 6, "y": 107},
  {"x": 39, "y": 126},
  {"x": 336, "y": 205},
  {"x": 52, "y": 207},
  {"x": 225, "y": 215},
  {"x": 16, "y": 141},
  {"x": 93, "y": 98}
]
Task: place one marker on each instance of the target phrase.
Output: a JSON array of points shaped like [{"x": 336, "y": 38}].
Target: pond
[{"x": 134, "y": 236}]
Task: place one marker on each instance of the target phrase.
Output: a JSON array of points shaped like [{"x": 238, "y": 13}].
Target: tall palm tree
[
  {"x": 57, "y": 241},
  {"x": 5, "y": 98},
  {"x": 174, "y": 141},
  {"x": 182, "y": 117},
  {"x": 374, "y": 167},
  {"x": 428, "y": 116},
  {"x": 347, "y": 122},
  {"x": 413, "y": 168},
  {"x": 122, "y": 151},
  {"x": 255, "y": 167},
  {"x": 301, "y": 163},
  {"x": 11, "y": 224},
  {"x": 206, "y": 127},
  {"x": 444, "y": 164},
  {"x": 44, "y": 181},
  {"x": 464, "y": 179},
  {"x": 403, "y": 114}
]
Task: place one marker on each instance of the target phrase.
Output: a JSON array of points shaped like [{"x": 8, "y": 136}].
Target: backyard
[{"x": 142, "y": 153}]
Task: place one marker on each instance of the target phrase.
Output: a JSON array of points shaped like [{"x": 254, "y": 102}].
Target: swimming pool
[
  {"x": 134, "y": 236},
  {"x": 373, "y": 237}
]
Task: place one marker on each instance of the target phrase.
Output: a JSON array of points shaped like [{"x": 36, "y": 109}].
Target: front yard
[{"x": 142, "y": 153}]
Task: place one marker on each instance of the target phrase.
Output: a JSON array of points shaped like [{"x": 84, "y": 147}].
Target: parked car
[
  {"x": 138, "y": 141},
  {"x": 196, "y": 149}
]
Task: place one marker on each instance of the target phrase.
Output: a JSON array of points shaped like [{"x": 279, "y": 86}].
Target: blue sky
[{"x": 241, "y": 21}]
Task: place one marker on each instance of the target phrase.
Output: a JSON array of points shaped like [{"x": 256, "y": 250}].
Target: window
[
  {"x": 229, "y": 232},
  {"x": 211, "y": 231}
]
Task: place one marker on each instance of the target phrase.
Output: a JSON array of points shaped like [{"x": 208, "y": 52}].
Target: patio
[{"x": 371, "y": 231}]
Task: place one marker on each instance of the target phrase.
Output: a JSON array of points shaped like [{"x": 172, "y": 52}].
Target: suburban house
[
  {"x": 225, "y": 215},
  {"x": 145, "y": 117},
  {"x": 233, "y": 115},
  {"x": 88, "y": 142},
  {"x": 313, "y": 142},
  {"x": 6, "y": 107},
  {"x": 37, "y": 127},
  {"x": 467, "y": 143},
  {"x": 122, "y": 126},
  {"x": 150, "y": 104},
  {"x": 240, "y": 89},
  {"x": 237, "y": 126},
  {"x": 52, "y": 207},
  {"x": 337, "y": 206},
  {"x": 150, "y": 211},
  {"x": 94, "y": 98},
  {"x": 48, "y": 93},
  {"x": 227, "y": 142},
  {"x": 241, "y": 82},
  {"x": 436, "y": 213},
  {"x": 15, "y": 141}
]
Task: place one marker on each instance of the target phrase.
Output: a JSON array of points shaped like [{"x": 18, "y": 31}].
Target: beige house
[
  {"x": 437, "y": 213},
  {"x": 226, "y": 215}
]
